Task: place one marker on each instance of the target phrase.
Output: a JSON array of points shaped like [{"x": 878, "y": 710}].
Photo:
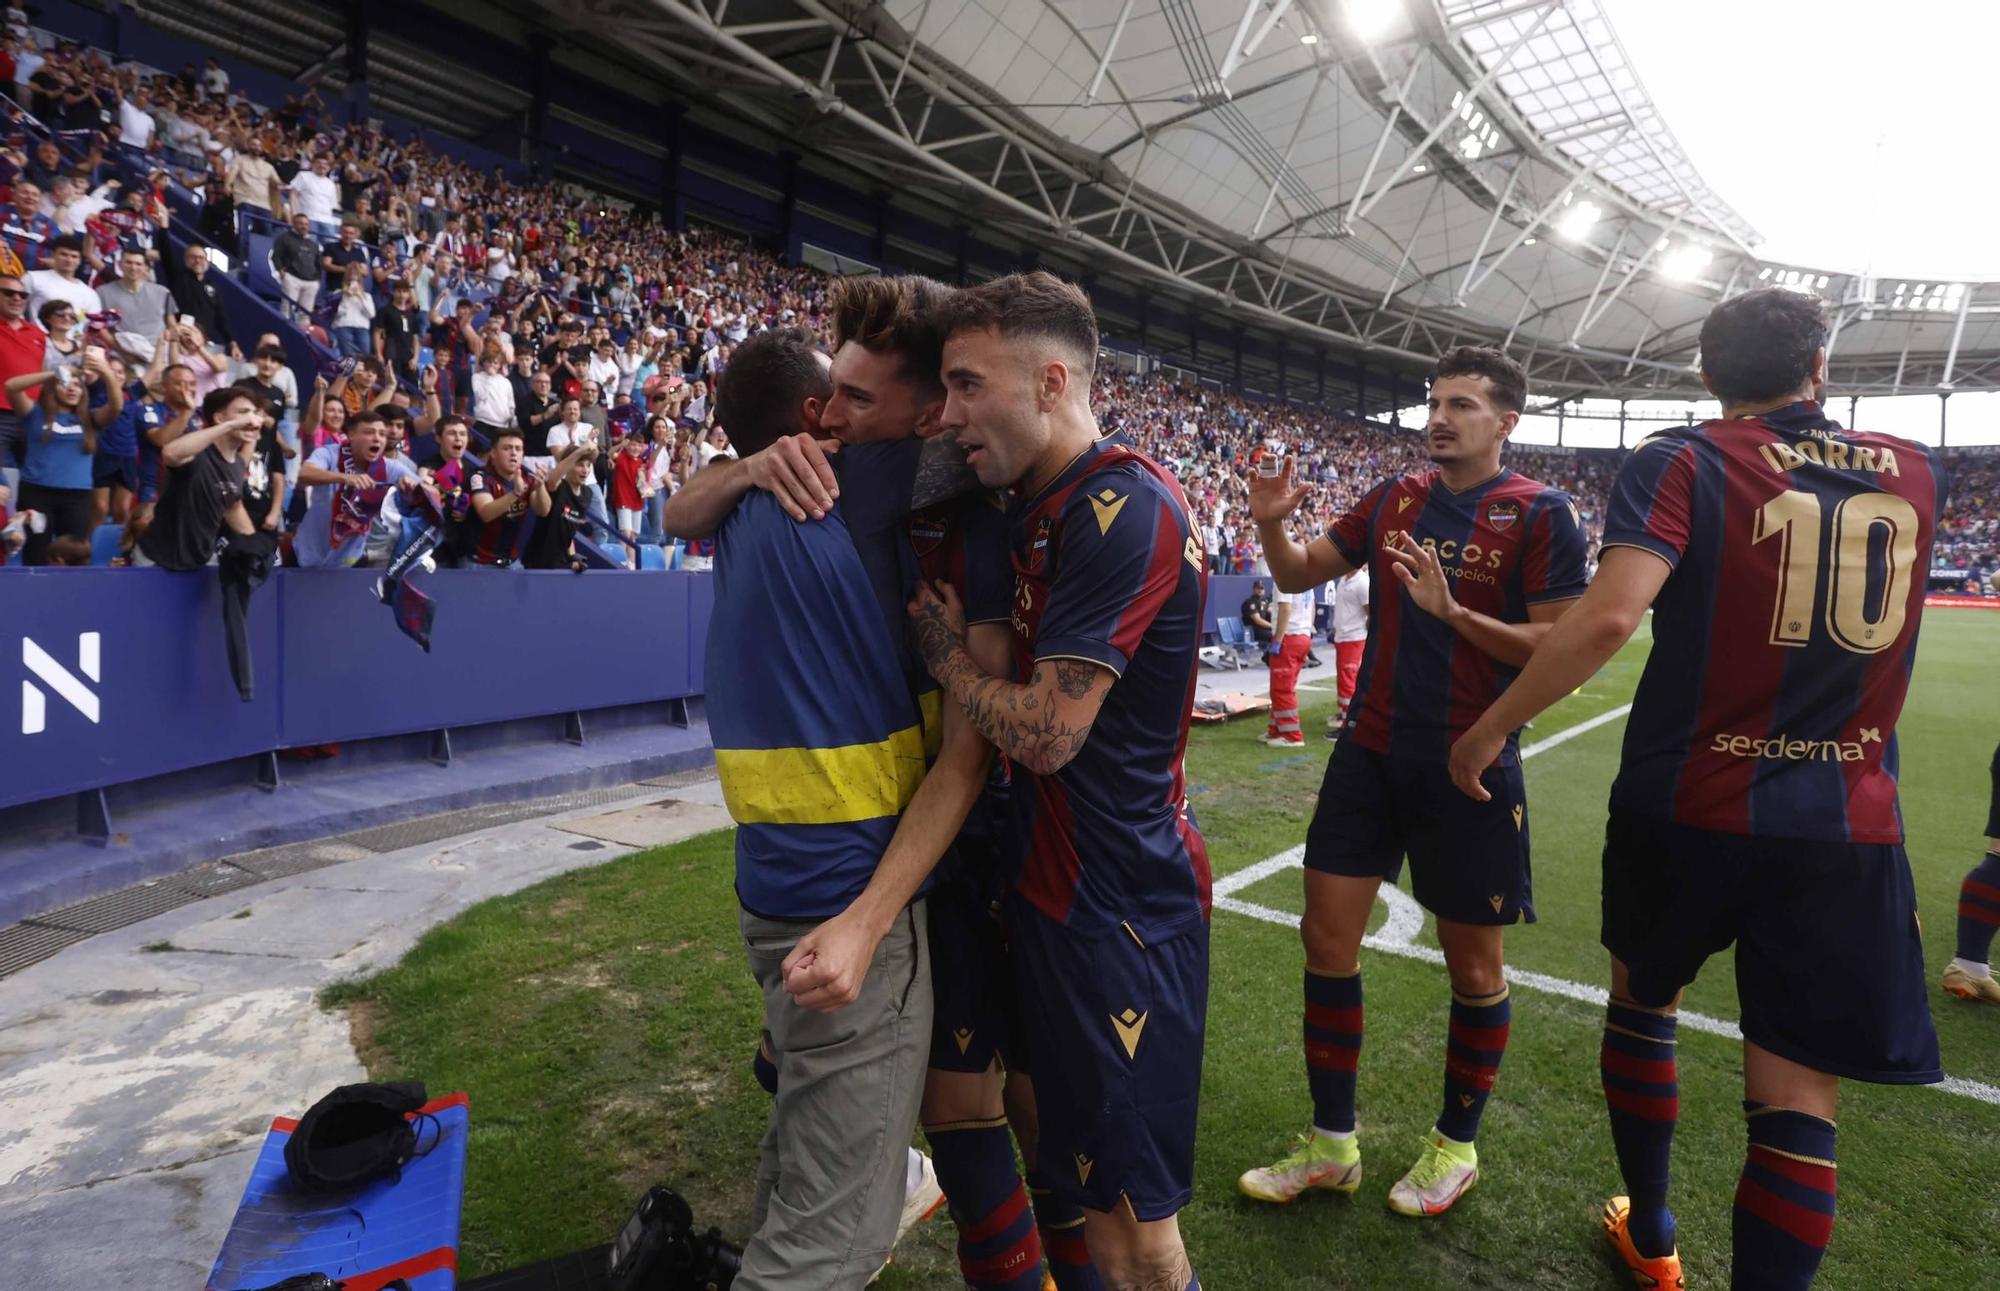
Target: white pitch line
[{"x": 1397, "y": 935}]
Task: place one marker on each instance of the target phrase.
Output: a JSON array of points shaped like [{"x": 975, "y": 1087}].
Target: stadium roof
[
  {"x": 1385, "y": 176},
  {"x": 1380, "y": 178}
]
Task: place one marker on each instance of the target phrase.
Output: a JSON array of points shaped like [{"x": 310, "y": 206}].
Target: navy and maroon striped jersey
[
  {"x": 1784, "y": 638},
  {"x": 1107, "y": 568},
  {"x": 1507, "y": 544},
  {"x": 499, "y": 540}
]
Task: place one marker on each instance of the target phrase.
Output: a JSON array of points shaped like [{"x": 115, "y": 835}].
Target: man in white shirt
[
  {"x": 1291, "y": 641},
  {"x": 135, "y": 119},
  {"x": 573, "y": 429},
  {"x": 1350, "y": 637},
  {"x": 59, "y": 281},
  {"x": 317, "y": 196}
]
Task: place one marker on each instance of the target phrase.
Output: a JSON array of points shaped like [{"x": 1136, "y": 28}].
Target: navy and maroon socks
[
  {"x": 1061, "y": 1224},
  {"x": 1333, "y": 1047},
  {"x": 1784, "y": 1200},
  {"x": 1642, "y": 1092},
  {"x": 998, "y": 1246},
  {"x": 1477, "y": 1042},
  {"x": 1979, "y": 910}
]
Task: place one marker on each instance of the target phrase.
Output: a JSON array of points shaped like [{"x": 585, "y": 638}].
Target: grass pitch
[{"x": 603, "y": 1022}]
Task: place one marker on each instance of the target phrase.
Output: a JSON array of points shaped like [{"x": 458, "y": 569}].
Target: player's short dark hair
[
  {"x": 1760, "y": 345},
  {"x": 1509, "y": 380},
  {"x": 1037, "y": 304},
  {"x": 903, "y": 316},
  {"x": 773, "y": 373},
  {"x": 213, "y": 403}
]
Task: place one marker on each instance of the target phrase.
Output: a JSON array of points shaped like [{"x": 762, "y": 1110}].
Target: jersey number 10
[{"x": 1794, "y": 518}]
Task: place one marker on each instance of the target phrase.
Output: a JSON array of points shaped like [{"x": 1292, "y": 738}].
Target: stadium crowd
[{"x": 451, "y": 297}]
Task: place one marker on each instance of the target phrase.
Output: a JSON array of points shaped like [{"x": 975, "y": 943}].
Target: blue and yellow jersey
[{"x": 818, "y": 743}]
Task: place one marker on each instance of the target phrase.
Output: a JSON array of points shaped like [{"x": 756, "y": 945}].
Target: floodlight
[
  {"x": 1371, "y": 19},
  {"x": 1419, "y": 169},
  {"x": 1310, "y": 38},
  {"x": 1578, "y": 220},
  {"x": 1686, "y": 261}
]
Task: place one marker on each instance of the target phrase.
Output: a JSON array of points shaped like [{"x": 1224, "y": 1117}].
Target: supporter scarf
[
  {"x": 355, "y": 509},
  {"x": 415, "y": 611},
  {"x": 454, "y": 501}
]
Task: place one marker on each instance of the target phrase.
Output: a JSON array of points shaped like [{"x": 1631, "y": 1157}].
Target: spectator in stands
[
  {"x": 335, "y": 257},
  {"x": 59, "y": 280},
  {"x": 492, "y": 394},
  {"x": 592, "y": 408},
  {"x": 58, "y": 319},
  {"x": 253, "y": 180},
  {"x": 203, "y": 490},
  {"x": 209, "y": 365},
  {"x": 399, "y": 332},
  {"x": 449, "y": 471},
  {"x": 59, "y": 430},
  {"x": 263, "y": 457},
  {"x": 349, "y": 483},
  {"x": 500, "y": 499},
  {"x": 353, "y": 313},
  {"x": 24, "y": 230},
  {"x": 143, "y": 306},
  {"x": 714, "y": 445},
  {"x": 135, "y": 118},
  {"x": 198, "y": 299},
  {"x": 563, "y": 510},
  {"x": 214, "y": 79},
  {"x": 628, "y": 491},
  {"x": 114, "y": 474},
  {"x": 295, "y": 262},
  {"x": 659, "y": 481},
  {"x": 23, "y": 348},
  {"x": 536, "y": 409},
  {"x": 71, "y": 203},
  {"x": 602, "y": 367},
  {"x": 315, "y": 196}
]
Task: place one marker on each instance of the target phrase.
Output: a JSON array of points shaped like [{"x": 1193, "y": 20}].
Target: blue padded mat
[{"x": 383, "y": 1230}]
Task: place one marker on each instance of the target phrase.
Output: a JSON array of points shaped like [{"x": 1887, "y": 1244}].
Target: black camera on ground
[{"x": 658, "y": 1249}]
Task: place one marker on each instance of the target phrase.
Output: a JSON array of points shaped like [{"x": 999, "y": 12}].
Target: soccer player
[
  {"x": 1435, "y": 657},
  {"x": 1755, "y": 803},
  {"x": 1107, "y": 924},
  {"x": 1968, "y": 976}
]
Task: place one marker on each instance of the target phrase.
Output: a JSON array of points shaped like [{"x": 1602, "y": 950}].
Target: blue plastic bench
[{"x": 365, "y": 1239}]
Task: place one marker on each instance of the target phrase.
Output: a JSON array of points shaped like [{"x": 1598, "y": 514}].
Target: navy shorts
[
  {"x": 1829, "y": 956},
  {"x": 107, "y": 470},
  {"x": 1114, "y": 1029},
  {"x": 974, "y": 1018},
  {"x": 1468, "y": 860}
]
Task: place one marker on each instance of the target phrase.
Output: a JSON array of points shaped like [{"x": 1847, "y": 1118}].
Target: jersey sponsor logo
[
  {"x": 1107, "y": 505},
  {"x": 1784, "y": 748},
  {"x": 1834, "y": 454},
  {"x": 1130, "y": 1025},
  {"x": 1502, "y": 515}
]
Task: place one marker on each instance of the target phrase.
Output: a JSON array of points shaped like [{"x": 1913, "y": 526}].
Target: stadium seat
[
  {"x": 652, "y": 557},
  {"x": 1242, "y": 646},
  {"x": 364, "y": 1238},
  {"x": 104, "y": 543}
]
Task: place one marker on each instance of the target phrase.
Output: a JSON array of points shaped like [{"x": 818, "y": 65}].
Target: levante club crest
[{"x": 1502, "y": 515}]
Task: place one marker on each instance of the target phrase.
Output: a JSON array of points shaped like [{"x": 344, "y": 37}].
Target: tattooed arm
[{"x": 1042, "y": 724}]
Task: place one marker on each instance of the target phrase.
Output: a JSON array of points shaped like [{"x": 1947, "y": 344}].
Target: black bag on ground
[{"x": 354, "y": 1134}]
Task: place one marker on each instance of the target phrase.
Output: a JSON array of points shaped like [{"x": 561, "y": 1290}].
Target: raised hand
[{"x": 1273, "y": 497}]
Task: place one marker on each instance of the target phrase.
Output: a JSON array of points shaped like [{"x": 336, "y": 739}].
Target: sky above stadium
[{"x": 1848, "y": 132}]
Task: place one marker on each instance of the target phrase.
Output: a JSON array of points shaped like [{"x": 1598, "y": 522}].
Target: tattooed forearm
[
  {"x": 1013, "y": 718},
  {"x": 1026, "y": 722}
]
